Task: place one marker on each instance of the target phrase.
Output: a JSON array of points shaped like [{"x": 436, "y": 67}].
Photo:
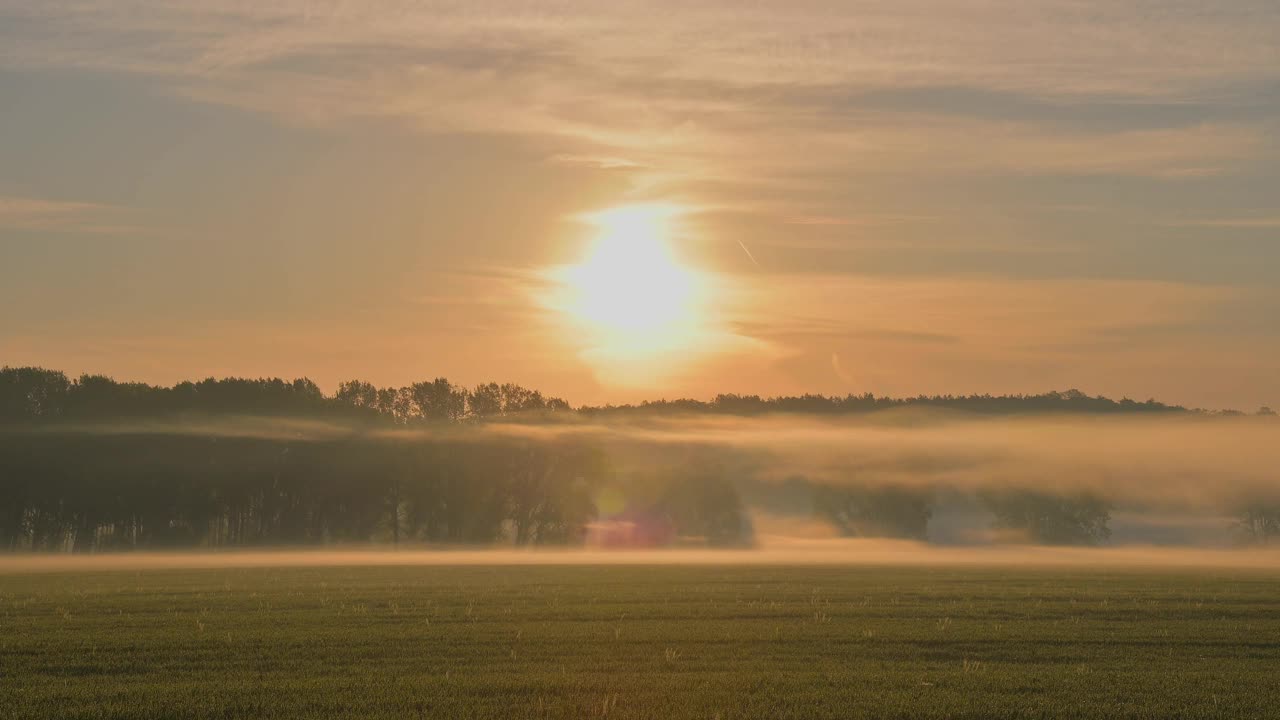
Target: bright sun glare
[
  {"x": 631, "y": 282},
  {"x": 631, "y": 293}
]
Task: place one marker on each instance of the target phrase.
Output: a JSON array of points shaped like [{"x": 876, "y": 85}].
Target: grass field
[{"x": 640, "y": 642}]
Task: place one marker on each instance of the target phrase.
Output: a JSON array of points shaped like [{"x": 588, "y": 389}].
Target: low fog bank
[
  {"x": 1179, "y": 461},
  {"x": 772, "y": 550},
  {"x": 1196, "y": 480},
  {"x": 644, "y": 482}
]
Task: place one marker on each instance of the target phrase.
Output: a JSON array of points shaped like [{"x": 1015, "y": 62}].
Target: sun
[
  {"x": 631, "y": 281},
  {"x": 631, "y": 295}
]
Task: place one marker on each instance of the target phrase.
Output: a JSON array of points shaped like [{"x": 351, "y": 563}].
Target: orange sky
[{"x": 901, "y": 198}]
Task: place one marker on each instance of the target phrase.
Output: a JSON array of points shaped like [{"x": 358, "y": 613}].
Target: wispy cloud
[
  {"x": 1244, "y": 222},
  {"x": 36, "y": 214},
  {"x": 1050, "y": 47},
  {"x": 988, "y": 310},
  {"x": 718, "y": 88}
]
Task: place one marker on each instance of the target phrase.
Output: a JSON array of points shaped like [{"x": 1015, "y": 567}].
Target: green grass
[{"x": 639, "y": 642}]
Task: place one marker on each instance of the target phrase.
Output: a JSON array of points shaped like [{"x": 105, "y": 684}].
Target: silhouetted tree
[
  {"x": 1259, "y": 523},
  {"x": 27, "y": 393},
  {"x": 703, "y": 503},
  {"x": 485, "y": 401},
  {"x": 893, "y": 512},
  {"x": 437, "y": 401},
  {"x": 1051, "y": 519}
]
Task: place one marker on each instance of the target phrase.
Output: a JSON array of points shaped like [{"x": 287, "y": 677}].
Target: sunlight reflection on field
[{"x": 772, "y": 550}]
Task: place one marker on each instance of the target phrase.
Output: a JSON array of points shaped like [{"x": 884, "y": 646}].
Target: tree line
[
  {"x": 35, "y": 394},
  {"x": 31, "y": 393},
  {"x": 94, "y": 464}
]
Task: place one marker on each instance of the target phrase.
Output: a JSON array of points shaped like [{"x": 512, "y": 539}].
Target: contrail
[
  {"x": 748, "y": 252},
  {"x": 839, "y": 370}
]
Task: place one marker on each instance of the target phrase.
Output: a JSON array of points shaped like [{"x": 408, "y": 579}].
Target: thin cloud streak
[
  {"x": 39, "y": 214},
  {"x": 1248, "y": 223}
]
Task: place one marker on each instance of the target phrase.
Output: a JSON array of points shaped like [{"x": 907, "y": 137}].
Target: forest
[{"x": 91, "y": 464}]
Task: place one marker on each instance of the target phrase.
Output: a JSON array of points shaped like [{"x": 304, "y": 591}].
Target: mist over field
[
  {"x": 812, "y": 487},
  {"x": 1183, "y": 461},
  {"x": 1187, "y": 461},
  {"x": 773, "y": 550}
]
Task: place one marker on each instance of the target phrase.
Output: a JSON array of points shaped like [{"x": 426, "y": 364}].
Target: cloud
[
  {"x": 40, "y": 215},
  {"x": 990, "y": 312},
  {"x": 718, "y": 90},
  {"x": 1244, "y": 223},
  {"x": 1050, "y": 47}
]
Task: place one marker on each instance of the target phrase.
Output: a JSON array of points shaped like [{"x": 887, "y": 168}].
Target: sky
[{"x": 619, "y": 200}]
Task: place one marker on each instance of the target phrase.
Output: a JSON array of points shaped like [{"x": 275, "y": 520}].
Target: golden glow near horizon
[{"x": 632, "y": 297}]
